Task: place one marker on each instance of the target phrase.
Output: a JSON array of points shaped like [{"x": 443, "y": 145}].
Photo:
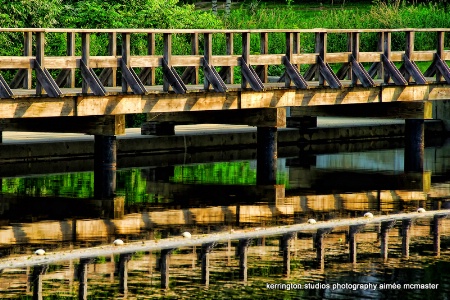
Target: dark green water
[{"x": 60, "y": 212}]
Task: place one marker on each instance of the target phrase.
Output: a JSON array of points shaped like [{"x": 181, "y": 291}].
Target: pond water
[{"x": 59, "y": 212}]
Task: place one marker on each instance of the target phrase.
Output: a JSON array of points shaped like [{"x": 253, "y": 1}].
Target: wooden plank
[
  {"x": 8, "y": 62},
  {"x": 95, "y": 125},
  {"x": 27, "y": 51},
  {"x": 386, "y": 40},
  {"x": 214, "y": 78},
  {"x": 132, "y": 80},
  {"x": 91, "y": 79},
  {"x": 245, "y": 60},
  {"x": 5, "y": 91},
  {"x": 229, "y": 77},
  {"x": 145, "y": 61},
  {"x": 321, "y": 49},
  {"x": 333, "y": 58},
  {"x": 369, "y": 57},
  {"x": 286, "y": 61},
  {"x": 295, "y": 75},
  {"x": 439, "y": 51},
  {"x": 414, "y": 71},
  {"x": 400, "y": 110},
  {"x": 147, "y": 74},
  {"x": 266, "y": 117},
  {"x": 125, "y": 64},
  {"x": 361, "y": 74},
  {"x": 303, "y": 58},
  {"x": 112, "y": 50},
  {"x": 46, "y": 81},
  {"x": 251, "y": 77},
  {"x": 393, "y": 72},
  {"x": 443, "y": 69},
  {"x": 328, "y": 74},
  {"x": 263, "y": 49},
  {"x": 40, "y": 43},
  {"x": 173, "y": 79}
]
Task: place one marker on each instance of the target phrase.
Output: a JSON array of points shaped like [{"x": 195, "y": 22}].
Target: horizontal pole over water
[{"x": 173, "y": 243}]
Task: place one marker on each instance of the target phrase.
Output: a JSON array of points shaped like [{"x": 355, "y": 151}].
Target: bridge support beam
[
  {"x": 164, "y": 267},
  {"x": 414, "y": 145},
  {"x": 437, "y": 225},
  {"x": 36, "y": 281},
  {"x": 384, "y": 246},
  {"x": 164, "y": 123},
  {"x": 266, "y": 155},
  {"x": 105, "y": 158},
  {"x": 206, "y": 251}
]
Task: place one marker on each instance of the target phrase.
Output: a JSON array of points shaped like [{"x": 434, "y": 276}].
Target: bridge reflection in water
[{"x": 206, "y": 200}]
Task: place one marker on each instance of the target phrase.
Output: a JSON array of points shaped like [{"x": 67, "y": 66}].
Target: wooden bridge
[
  {"x": 82, "y": 92},
  {"x": 87, "y": 85}
]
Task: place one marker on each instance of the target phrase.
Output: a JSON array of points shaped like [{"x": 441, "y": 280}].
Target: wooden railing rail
[{"x": 136, "y": 72}]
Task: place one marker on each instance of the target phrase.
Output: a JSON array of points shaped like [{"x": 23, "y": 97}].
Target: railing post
[
  {"x": 112, "y": 51},
  {"x": 243, "y": 261},
  {"x": 387, "y": 53},
  {"x": 264, "y": 49},
  {"x": 286, "y": 241},
  {"x": 380, "y": 48},
  {"x": 151, "y": 51},
  {"x": 245, "y": 56},
  {"x": 440, "y": 52},
  {"x": 205, "y": 253},
  {"x": 409, "y": 49},
  {"x": 321, "y": 49},
  {"x": 167, "y": 55},
  {"x": 289, "y": 52},
  {"x": 126, "y": 59},
  {"x": 85, "y": 55},
  {"x": 27, "y": 51},
  {"x": 355, "y": 52},
  {"x": 70, "y": 80},
  {"x": 194, "y": 51},
  {"x": 207, "y": 57},
  {"x": 82, "y": 277},
  {"x": 230, "y": 49},
  {"x": 40, "y": 42},
  {"x": 164, "y": 267}
]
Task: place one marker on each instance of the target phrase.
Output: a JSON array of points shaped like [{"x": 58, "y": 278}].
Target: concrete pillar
[
  {"x": 384, "y": 246},
  {"x": 105, "y": 158},
  {"x": 206, "y": 250},
  {"x": 82, "y": 277},
  {"x": 164, "y": 267},
  {"x": 123, "y": 272},
  {"x": 437, "y": 224},
  {"x": 285, "y": 244},
  {"x": 320, "y": 248},
  {"x": 353, "y": 230},
  {"x": 36, "y": 281},
  {"x": 406, "y": 236},
  {"x": 414, "y": 145},
  {"x": 243, "y": 251},
  {"x": 266, "y": 164}
]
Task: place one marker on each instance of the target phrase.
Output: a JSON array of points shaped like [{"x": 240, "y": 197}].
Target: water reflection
[{"x": 60, "y": 212}]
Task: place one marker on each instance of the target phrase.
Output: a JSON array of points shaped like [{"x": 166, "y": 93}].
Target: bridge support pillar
[
  {"x": 285, "y": 244},
  {"x": 320, "y": 247},
  {"x": 105, "y": 157},
  {"x": 82, "y": 277},
  {"x": 406, "y": 236},
  {"x": 36, "y": 281},
  {"x": 266, "y": 164},
  {"x": 164, "y": 267},
  {"x": 414, "y": 145},
  {"x": 353, "y": 230},
  {"x": 437, "y": 222},
  {"x": 243, "y": 261},
  {"x": 206, "y": 250},
  {"x": 123, "y": 272},
  {"x": 385, "y": 227}
]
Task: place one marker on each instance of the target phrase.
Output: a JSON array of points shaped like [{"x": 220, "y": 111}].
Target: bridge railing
[{"x": 215, "y": 55}]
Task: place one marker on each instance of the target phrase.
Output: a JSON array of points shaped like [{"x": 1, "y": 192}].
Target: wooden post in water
[
  {"x": 384, "y": 246},
  {"x": 437, "y": 222},
  {"x": 36, "y": 281},
  {"x": 285, "y": 244},
  {"x": 206, "y": 250},
  {"x": 123, "y": 272},
  {"x": 266, "y": 161},
  {"x": 243, "y": 263},
  {"x": 414, "y": 145},
  {"x": 82, "y": 277},
  {"x": 353, "y": 230},
  {"x": 105, "y": 157},
  {"x": 406, "y": 236},
  {"x": 320, "y": 248},
  {"x": 164, "y": 267}
]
